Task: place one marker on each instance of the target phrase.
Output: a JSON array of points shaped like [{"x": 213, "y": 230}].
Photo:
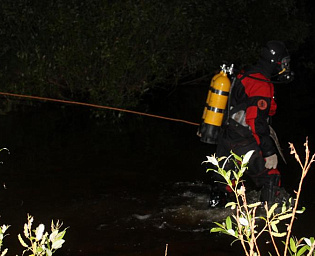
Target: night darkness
[{"x": 123, "y": 183}]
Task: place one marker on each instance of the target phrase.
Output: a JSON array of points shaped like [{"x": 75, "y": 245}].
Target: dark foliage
[{"x": 112, "y": 52}]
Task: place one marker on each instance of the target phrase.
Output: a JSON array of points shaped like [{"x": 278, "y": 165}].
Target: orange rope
[{"x": 96, "y": 106}]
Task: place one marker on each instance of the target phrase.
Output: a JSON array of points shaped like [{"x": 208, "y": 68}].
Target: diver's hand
[{"x": 271, "y": 161}]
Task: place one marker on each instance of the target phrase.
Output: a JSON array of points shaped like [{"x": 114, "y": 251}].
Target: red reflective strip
[
  {"x": 228, "y": 188},
  {"x": 274, "y": 172}
]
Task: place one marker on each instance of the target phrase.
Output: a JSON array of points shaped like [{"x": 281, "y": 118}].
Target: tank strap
[
  {"x": 216, "y": 110},
  {"x": 219, "y": 92}
]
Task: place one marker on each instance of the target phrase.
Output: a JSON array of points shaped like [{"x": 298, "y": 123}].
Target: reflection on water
[{"x": 184, "y": 206}]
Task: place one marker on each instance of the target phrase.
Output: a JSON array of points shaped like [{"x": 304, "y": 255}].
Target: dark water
[{"x": 123, "y": 189}]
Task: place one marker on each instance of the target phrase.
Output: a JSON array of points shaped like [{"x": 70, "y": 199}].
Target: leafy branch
[
  {"x": 244, "y": 227},
  {"x": 40, "y": 242},
  {"x": 37, "y": 241}
]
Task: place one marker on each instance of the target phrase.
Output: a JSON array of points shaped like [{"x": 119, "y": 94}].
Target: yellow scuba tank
[{"x": 215, "y": 106}]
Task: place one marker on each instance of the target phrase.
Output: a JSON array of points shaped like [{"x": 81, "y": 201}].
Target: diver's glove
[{"x": 271, "y": 161}]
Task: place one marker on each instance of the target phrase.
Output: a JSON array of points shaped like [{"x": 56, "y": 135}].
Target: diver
[{"x": 246, "y": 124}]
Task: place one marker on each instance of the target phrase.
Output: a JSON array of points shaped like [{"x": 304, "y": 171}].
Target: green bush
[
  {"x": 37, "y": 241},
  {"x": 242, "y": 225}
]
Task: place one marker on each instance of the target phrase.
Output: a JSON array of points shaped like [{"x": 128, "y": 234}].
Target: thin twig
[
  {"x": 305, "y": 169},
  {"x": 270, "y": 231},
  {"x": 166, "y": 247},
  {"x": 253, "y": 222},
  {"x": 240, "y": 229},
  {"x": 252, "y": 240}
]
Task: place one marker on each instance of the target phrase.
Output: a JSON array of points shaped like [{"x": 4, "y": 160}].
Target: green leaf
[
  {"x": 53, "y": 235},
  {"x": 228, "y": 222},
  {"x": 285, "y": 216},
  {"x": 219, "y": 224},
  {"x": 301, "y": 211},
  {"x": 275, "y": 222},
  {"x": 238, "y": 158},
  {"x": 61, "y": 234},
  {"x": 241, "y": 172},
  {"x": 274, "y": 227},
  {"x": 213, "y": 230},
  {"x": 254, "y": 205},
  {"x": 275, "y": 234},
  {"x": 292, "y": 245},
  {"x": 228, "y": 175},
  {"x": 235, "y": 163},
  {"x": 247, "y": 157},
  {"x": 22, "y": 241},
  {"x": 223, "y": 173},
  {"x": 231, "y": 204},
  {"x": 4, "y": 252},
  {"x": 271, "y": 210},
  {"x": 308, "y": 241},
  {"x": 58, "y": 244},
  {"x": 221, "y": 158},
  {"x": 302, "y": 250},
  {"x": 212, "y": 160},
  {"x": 284, "y": 207},
  {"x": 231, "y": 232},
  {"x": 48, "y": 252},
  {"x": 243, "y": 221},
  {"x": 39, "y": 250},
  {"x": 236, "y": 175}
]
